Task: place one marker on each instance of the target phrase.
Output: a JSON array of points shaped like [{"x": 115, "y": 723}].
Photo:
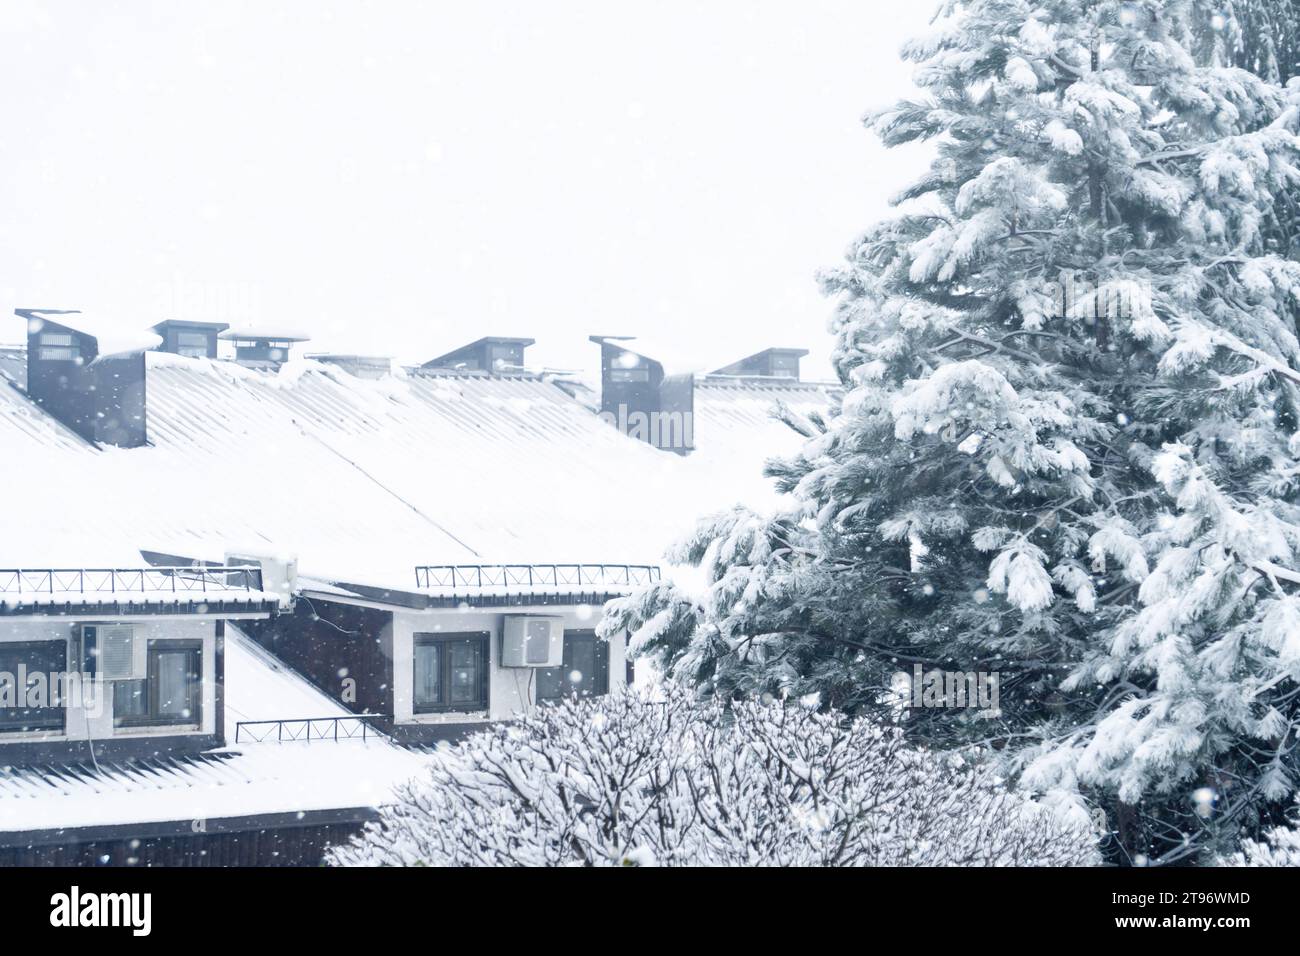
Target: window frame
[
  {"x": 192, "y": 343},
  {"x": 152, "y": 718},
  {"x": 443, "y": 641},
  {"x": 11, "y": 726},
  {"x": 58, "y": 347},
  {"x": 499, "y": 356},
  {"x": 601, "y": 651}
]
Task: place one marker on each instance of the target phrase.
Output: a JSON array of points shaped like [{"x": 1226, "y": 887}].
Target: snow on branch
[{"x": 633, "y": 780}]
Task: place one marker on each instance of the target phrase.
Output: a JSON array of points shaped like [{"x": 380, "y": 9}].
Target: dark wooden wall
[
  {"x": 320, "y": 639},
  {"x": 102, "y": 401},
  {"x": 637, "y": 396}
]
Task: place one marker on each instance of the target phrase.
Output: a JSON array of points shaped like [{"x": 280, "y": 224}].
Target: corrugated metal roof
[
  {"x": 365, "y": 479},
  {"x": 250, "y": 780},
  {"x": 47, "y": 482},
  {"x": 23, "y": 422},
  {"x": 740, "y": 409}
]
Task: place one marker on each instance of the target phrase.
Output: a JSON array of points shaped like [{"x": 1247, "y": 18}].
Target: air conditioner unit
[
  {"x": 279, "y": 574},
  {"x": 528, "y": 641},
  {"x": 113, "y": 652}
]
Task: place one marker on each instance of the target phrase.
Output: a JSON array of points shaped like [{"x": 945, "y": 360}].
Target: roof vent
[
  {"x": 769, "y": 363},
  {"x": 263, "y": 347},
  {"x": 493, "y": 353},
  {"x": 641, "y": 399},
  {"x": 88, "y": 373}
]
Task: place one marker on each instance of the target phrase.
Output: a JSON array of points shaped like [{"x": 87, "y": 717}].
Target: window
[
  {"x": 629, "y": 375},
  {"x": 585, "y": 670},
  {"x": 450, "y": 673},
  {"x": 504, "y": 356},
  {"x": 35, "y": 703},
  {"x": 59, "y": 347},
  {"x": 193, "y": 344},
  {"x": 171, "y": 694}
]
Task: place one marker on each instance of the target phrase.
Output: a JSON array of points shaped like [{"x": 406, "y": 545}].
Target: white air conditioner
[
  {"x": 279, "y": 574},
  {"x": 528, "y": 641},
  {"x": 114, "y": 651}
]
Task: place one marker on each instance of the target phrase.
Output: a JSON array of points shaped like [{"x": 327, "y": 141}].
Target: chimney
[
  {"x": 492, "y": 353},
  {"x": 769, "y": 363},
  {"x": 263, "y": 347},
  {"x": 195, "y": 339},
  {"x": 641, "y": 398},
  {"x": 362, "y": 366},
  {"x": 88, "y": 374}
]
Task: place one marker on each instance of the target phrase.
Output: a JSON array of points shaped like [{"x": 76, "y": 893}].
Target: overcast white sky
[{"x": 400, "y": 177}]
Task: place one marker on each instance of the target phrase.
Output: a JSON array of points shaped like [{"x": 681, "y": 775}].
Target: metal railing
[
  {"x": 188, "y": 580},
  {"x": 452, "y": 576},
  {"x": 352, "y": 727}
]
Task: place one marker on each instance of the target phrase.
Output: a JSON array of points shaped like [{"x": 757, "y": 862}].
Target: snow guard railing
[
  {"x": 307, "y": 729},
  {"x": 129, "y": 580},
  {"x": 449, "y": 577}
]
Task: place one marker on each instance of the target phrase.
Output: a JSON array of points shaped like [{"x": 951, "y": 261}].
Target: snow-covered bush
[{"x": 635, "y": 780}]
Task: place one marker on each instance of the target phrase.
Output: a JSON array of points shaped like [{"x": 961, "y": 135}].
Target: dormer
[
  {"x": 191, "y": 338},
  {"x": 492, "y": 353},
  {"x": 266, "y": 347},
  {"x": 88, "y": 373},
  {"x": 644, "y": 397},
  {"x": 769, "y": 363}
]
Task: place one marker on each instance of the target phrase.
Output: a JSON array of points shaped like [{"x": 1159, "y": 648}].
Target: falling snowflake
[{"x": 1204, "y": 799}]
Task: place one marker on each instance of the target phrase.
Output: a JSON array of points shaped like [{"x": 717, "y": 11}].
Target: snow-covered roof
[
  {"x": 489, "y": 585},
  {"x": 365, "y": 479},
  {"x": 734, "y": 422},
  {"x": 248, "y": 779},
  {"x": 112, "y": 337},
  {"x": 50, "y": 512}
]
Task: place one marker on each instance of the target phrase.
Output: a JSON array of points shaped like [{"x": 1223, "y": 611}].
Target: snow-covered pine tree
[
  {"x": 1065, "y": 452},
  {"x": 1262, "y": 36}
]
